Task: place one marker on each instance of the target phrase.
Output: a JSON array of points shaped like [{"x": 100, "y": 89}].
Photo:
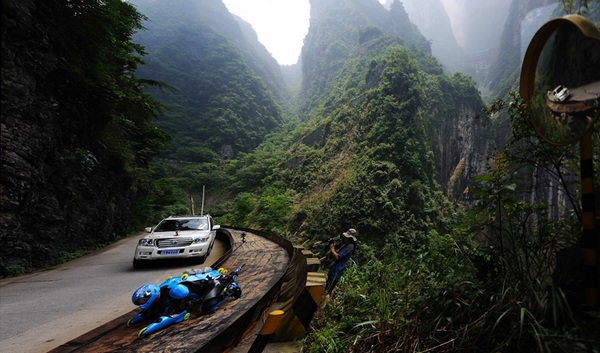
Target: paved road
[
  {"x": 265, "y": 263},
  {"x": 42, "y": 310}
]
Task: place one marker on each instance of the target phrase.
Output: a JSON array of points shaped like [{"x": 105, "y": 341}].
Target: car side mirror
[
  {"x": 148, "y": 229},
  {"x": 215, "y": 227}
]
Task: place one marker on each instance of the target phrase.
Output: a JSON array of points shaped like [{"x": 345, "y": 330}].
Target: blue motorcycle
[{"x": 172, "y": 301}]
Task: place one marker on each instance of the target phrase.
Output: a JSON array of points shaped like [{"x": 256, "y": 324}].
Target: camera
[{"x": 336, "y": 243}]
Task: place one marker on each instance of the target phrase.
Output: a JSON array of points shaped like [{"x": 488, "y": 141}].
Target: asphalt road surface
[{"x": 43, "y": 310}]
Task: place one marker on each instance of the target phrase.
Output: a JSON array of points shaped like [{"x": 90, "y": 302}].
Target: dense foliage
[
  {"x": 429, "y": 274},
  {"x": 97, "y": 85},
  {"x": 489, "y": 284},
  {"x": 77, "y": 130},
  {"x": 222, "y": 100},
  {"x": 99, "y": 55},
  {"x": 341, "y": 30}
]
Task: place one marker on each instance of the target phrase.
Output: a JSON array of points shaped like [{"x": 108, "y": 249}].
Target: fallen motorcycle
[{"x": 171, "y": 302}]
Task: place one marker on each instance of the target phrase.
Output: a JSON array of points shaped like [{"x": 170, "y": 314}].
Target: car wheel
[
  {"x": 142, "y": 331},
  {"x": 201, "y": 259},
  {"x": 138, "y": 263},
  {"x": 210, "y": 248}
]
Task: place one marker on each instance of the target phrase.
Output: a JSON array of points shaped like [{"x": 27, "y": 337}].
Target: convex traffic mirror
[{"x": 560, "y": 79}]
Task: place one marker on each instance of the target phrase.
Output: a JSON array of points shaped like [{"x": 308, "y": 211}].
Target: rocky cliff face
[
  {"x": 508, "y": 61},
  {"x": 59, "y": 189},
  {"x": 459, "y": 151},
  {"x": 433, "y": 21}
]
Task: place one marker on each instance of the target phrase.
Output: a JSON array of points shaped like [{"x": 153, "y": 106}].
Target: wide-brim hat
[{"x": 350, "y": 233}]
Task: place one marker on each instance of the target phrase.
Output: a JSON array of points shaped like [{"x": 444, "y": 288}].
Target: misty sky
[
  {"x": 281, "y": 25},
  {"x": 468, "y": 28}
]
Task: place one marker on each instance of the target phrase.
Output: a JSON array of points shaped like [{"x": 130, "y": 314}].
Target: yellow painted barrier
[
  {"x": 266, "y": 332},
  {"x": 295, "y": 323}
]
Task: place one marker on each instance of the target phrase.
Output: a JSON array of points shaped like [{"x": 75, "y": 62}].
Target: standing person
[{"x": 340, "y": 259}]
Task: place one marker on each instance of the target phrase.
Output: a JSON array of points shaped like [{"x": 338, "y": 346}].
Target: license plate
[{"x": 170, "y": 252}]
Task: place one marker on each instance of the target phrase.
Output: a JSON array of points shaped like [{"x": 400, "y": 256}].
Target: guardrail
[{"x": 301, "y": 289}]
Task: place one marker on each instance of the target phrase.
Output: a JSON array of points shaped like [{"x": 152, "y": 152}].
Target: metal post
[
  {"x": 202, "y": 208},
  {"x": 590, "y": 239},
  {"x": 192, "y": 207}
]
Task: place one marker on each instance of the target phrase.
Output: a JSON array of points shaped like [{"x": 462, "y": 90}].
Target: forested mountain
[
  {"x": 505, "y": 69},
  {"x": 189, "y": 18},
  {"x": 455, "y": 250},
  {"x": 322, "y": 57},
  {"x": 389, "y": 144},
  {"x": 433, "y": 21},
  {"x": 226, "y": 93},
  {"x": 377, "y": 104},
  {"x": 227, "y": 89}
]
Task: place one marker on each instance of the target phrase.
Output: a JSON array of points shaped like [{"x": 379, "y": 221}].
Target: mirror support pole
[{"x": 590, "y": 237}]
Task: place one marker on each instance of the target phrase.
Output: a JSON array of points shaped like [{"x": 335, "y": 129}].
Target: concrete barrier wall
[{"x": 300, "y": 292}]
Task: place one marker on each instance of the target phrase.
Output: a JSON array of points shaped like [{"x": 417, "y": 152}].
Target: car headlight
[
  {"x": 201, "y": 240},
  {"x": 146, "y": 242}
]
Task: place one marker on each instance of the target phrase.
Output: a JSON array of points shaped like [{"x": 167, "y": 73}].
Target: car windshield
[{"x": 182, "y": 224}]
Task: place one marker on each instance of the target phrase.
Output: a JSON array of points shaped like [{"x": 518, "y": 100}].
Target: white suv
[{"x": 177, "y": 237}]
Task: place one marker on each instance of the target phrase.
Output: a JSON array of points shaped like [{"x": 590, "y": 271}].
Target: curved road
[{"x": 43, "y": 310}]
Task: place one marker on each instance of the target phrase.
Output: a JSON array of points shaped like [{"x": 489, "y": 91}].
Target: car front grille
[{"x": 173, "y": 242}]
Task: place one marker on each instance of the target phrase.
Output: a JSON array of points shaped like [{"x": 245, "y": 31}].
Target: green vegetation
[
  {"x": 486, "y": 285},
  {"x": 218, "y": 106},
  {"x": 97, "y": 86},
  {"x": 428, "y": 276},
  {"x": 101, "y": 58},
  {"x": 430, "y": 273},
  {"x": 571, "y": 6},
  {"x": 15, "y": 271}
]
